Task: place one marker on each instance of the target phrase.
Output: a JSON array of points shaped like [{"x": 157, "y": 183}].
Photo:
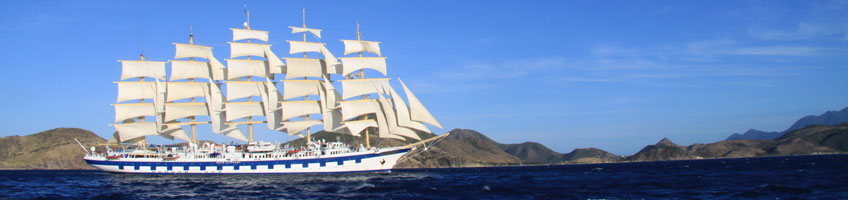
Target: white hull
[{"x": 370, "y": 161}]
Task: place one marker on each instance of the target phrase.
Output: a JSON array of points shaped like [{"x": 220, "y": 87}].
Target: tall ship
[{"x": 291, "y": 95}]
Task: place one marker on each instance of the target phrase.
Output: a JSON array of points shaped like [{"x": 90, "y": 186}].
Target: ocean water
[{"x": 786, "y": 177}]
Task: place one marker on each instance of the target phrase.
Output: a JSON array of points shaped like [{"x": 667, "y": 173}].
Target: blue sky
[{"x": 616, "y": 75}]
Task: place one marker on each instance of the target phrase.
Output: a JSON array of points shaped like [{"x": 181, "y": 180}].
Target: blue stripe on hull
[
  {"x": 235, "y": 164},
  {"x": 337, "y": 172}
]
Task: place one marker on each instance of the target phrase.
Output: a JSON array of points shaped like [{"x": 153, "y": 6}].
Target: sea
[{"x": 784, "y": 177}]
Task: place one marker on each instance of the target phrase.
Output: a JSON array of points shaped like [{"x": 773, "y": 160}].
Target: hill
[
  {"x": 827, "y": 118},
  {"x": 813, "y": 139},
  {"x": 532, "y": 152},
  {"x": 51, "y": 149},
  {"x": 463, "y": 148},
  {"x": 56, "y": 149},
  {"x": 590, "y": 155}
]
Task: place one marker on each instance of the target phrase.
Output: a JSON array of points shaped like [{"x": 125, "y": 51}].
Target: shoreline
[
  {"x": 494, "y": 166},
  {"x": 625, "y": 162}
]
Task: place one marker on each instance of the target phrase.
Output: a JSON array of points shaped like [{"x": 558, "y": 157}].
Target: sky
[{"x": 616, "y": 75}]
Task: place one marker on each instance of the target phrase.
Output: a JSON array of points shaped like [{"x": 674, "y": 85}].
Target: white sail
[
  {"x": 190, "y": 50},
  {"x": 182, "y": 69},
  {"x": 304, "y": 67},
  {"x": 216, "y": 98},
  {"x": 355, "y": 108},
  {"x": 292, "y": 109},
  {"x": 316, "y": 32},
  {"x": 243, "y": 68},
  {"x": 129, "y": 111},
  {"x": 276, "y": 66},
  {"x": 218, "y": 116},
  {"x": 217, "y": 69},
  {"x": 134, "y": 69},
  {"x": 273, "y": 112},
  {"x": 176, "y": 132},
  {"x": 352, "y": 64},
  {"x": 135, "y": 90},
  {"x": 243, "y": 34},
  {"x": 331, "y": 97},
  {"x": 417, "y": 111},
  {"x": 383, "y": 125},
  {"x": 330, "y": 60},
  {"x": 184, "y": 90},
  {"x": 131, "y": 131},
  {"x": 359, "y": 87},
  {"x": 355, "y": 127},
  {"x": 242, "y": 89},
  {"x": 403, "y": 113},
  {"x": 175, "y": 111},
  {"x": 159, "y": 103},
  {"x": 238, "y": 110},
  {"x": 329, "y": 102},
  {"x": 300, "y": 88},
  {"x": 302, "y": 47},
  {"x": 238, "y": 49},
  {"x": 358, "y": 46},
  {"x": 298, "y": 126},
  {"x": 332, "y": 63},
  {"x": 391, "y": 120}
]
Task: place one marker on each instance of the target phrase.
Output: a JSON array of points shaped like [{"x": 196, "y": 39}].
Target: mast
[
  {"x": 362, "y": 76},
  {"x": 249, "y": 118},
  {"x": 141, "y": 79},
  {"x": 126, "y": 113},
  {"x": 306, "y": 98},
  {"x": 241, "y": 82},
  {"x": 193, "y": 118},
  {"x": 391, "y": 118},
  {"x": 298, "y": 84}
]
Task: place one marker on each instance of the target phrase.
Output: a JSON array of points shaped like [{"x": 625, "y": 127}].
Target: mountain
[
  {"x": 51, "y": 149},
  {"x": 812, "y": 139},
  {"x": 754, "y": 134},
  {"x": 532, "y": 152},
  {"x": 590, "y": 155},
  {"x": 663, "y": 150},
  {"x": 463, "y": 148},
  {"x": 827, "y": 118},
  {"x": 56, "y": 149}
]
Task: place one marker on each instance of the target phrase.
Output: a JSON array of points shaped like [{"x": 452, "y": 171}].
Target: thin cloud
[{"x": 778, "y": 51}]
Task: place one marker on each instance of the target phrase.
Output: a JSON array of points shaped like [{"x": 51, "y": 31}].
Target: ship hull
[{"x": 381, "y": 161}]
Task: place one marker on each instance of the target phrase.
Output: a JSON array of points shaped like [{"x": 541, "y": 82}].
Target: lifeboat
[
  {"x": 114, "y": 157},
  {"x": 293, "y": 151}
]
